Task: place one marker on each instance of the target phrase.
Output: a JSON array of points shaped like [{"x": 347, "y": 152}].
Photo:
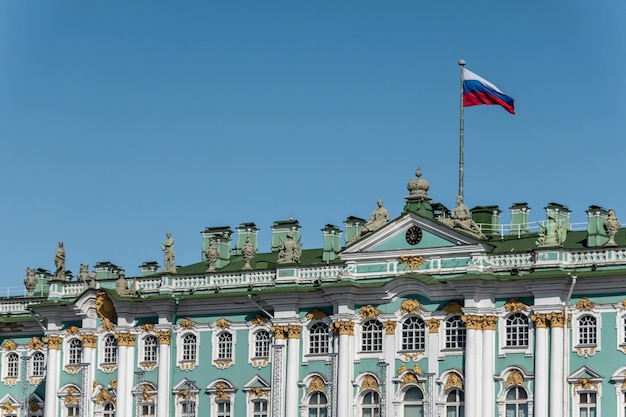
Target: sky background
[{"x": 120, "y": 121}]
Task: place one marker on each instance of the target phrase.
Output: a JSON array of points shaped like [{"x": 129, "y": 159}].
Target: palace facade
[{"x": 430, "y": 312}]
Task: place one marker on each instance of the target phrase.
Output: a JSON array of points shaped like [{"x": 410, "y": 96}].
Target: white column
[
  {"x": 125, "y": 342},
  {"x": 473, "y": 359},
  {"x": 89, "y": 357},
  {"x": 280, "y": 334},
  {"x": 163, "y": 397},
  {"x": 433, "y": 346},
  {"x": 52, "y": 375},
  {"x": 344, "y": 387},
  {"x": 556, "y": 363},
  {"x": 541, "y": 365},
  {"x": 487, "y": 383},
  {"x": 389, "y": 357},
  {"x": 293, "y": 355}
]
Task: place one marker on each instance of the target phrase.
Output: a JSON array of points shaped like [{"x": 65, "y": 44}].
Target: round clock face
[{"x": 413, "y": 235}]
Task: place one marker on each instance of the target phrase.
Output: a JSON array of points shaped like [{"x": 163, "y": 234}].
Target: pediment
[
  {"x": 436, "y": 239},
  {"x": 585, "y": 372}
]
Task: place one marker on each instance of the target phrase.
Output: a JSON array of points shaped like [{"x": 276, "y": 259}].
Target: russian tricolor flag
[{"x": 477, "y": 90}]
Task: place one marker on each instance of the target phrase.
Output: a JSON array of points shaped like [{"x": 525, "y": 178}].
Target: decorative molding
[
  {"x": 187, "y": 323},
  {"x": 280, "y": 332},
  {"x": 315, "y": 314},
  {"x": 88, "y": 340},
  {"x": 316, "y": 384},
  {"x": 412, "y": 261},
  {"x": 343, "y": 327},
  {"x": 515, "y": 377},
  {"x": 453, "y": 380},
  {"x": 147, "y": 327},
  {"x": 585, "y": 384},
  {"x": 557, "y": 319},
  {"x": 165, "y": 337},
  {"x": 104, "y": 396},
  {"x": 369, "y": 382},
  {"x": 433, "y": 325},
  {"x": 590, "y": 351},
  {"x": 410, "y": 306},
  {"x": 390, "y": 327},
  {"x": 107, "y": 325},
  {"x": 72, "y": 330},
  {"x": 125, "y": 339},
  {"x": 53, "y": 342},
  {"x": 489, "y": 322},
  {"x": 540, "y": 320},
  {"x": 293, "y": 331},
  {"x": 453, "y": 308},
  {"x": 9, "y": 345},
  {"x": 70, "y": 398},
  {"x": 222, "y": 323},
  {"x": 258, "y": 320},
  {"x": 223, "y": 363},
  {"x": 585, "y": 304},
  {"x": 35, "y": 343},
  {"x": 472, "y": 322},
  {"x": 369, "y": 311},
  {"x": 104, "y": 306},
  {"x": 515, "y": 306}
]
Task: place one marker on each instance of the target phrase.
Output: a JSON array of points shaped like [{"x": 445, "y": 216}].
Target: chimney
[
  {"x": 519, "y": 219},
  {"x": 596, "y": 235},
  {"x": 332, "y": 242},
  {"x": 280, "y": 229},
  {"x": 222, "y": 237},
  {"x": 245, "y": 231},
  {"x": 488, "y": 219}
]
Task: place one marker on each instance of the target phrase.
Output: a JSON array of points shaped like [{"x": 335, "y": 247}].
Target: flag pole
[{"x": 461, "y": 132}]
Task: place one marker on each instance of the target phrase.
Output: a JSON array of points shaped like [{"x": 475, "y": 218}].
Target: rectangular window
[{"x": 259, "y": 409}]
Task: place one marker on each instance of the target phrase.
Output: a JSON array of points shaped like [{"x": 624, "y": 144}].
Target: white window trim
[
  {"x": 252, "y": 359},
  {"x": 306, "y": 337},
  {"x": 361, "y": 354},
  {"x": 33, "y": 378},
  {"x": 141, "y": 347},
  {"x": 105, "y": 366},
  {"x": 187, "y": 365},
  {"x": 586, "y": 350},
  {"x": 138, "y": 391},
  {"x": 503, "y": 349},
  {"x": 223, "y": 363},
  {"x": 398, "y": 335},
  {"x": 576, "y": 399},
  {"x": 10, "y": 381},
  {"x": 620, "y": 322},
  {"x": 446, "y": 351},
  {"x": 212, "y": 391},
  {"x": 71, "y": 368}
]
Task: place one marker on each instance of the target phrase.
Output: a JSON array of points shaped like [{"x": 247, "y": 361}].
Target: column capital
[
  {"x": 280, "y": 332},
  {"x": 433, "y": 325},
  {"x": 390, "y": 327},
  {"x": 53, "y": 342},
  {"x": 489, "y": 322},
  {"x": 125, "y": 338},
  {"x": 557, "y": 319},
  {"x": 472, "y": 322},
  {"x": 343, "y": 327},
  {"x": 293, "y": 331},
  {"x": 165, "y": 336},
  {"x": 88, "y": 339},
  {"x": 540, "y": 320}
]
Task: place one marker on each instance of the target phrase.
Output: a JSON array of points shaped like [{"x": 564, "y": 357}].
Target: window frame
[
  {"x": 419, "y": 335},
  {"x": 579, "y": 332},
  {"x": 187, "y": 357},
  {"x": 372, "y": 335},
  {"x": 459, "y": 333}
]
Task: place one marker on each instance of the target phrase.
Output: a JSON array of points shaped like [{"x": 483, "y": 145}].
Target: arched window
[
  {"x": 516, "y": 402},
  {"x": 413, "y": 403},
  {"x": 455, "y": 401},
  {"x": 13, "y": 365},
  {"x": 189, "y": 347},
  {"x": 370, "y": 406},
  {"x": 37, "y": 365},
  {"x": 318, "y": 338},
  {"x": 587, "y": 330},
  {"x": 413, "y": 334},
  {"x": 224, "y": 346},
  {"x": 259, "y": 408},
  {"x": 75, "y": 352},
  {"x": 150, "y": 349},
  {"x": 455, "y": 333},
  {"x": 372, "y": 336},
  {"x": 108, "y": 410},
  {"x": 262, "y": 344},
  {"x": 110, "y": 350},
  {"x": 318, "y": 405},
  {"x": 517, "y": 330}
]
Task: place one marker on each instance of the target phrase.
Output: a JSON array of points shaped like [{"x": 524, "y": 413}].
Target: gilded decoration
[
  {"x": 259, "y": 363},
  {"x": 53, "y": 342},
  {"x": 315, "y": 314},
  {"x": 585, "y": 304},
  {"x": 104, "y": 396},
  {"x": 623, "y": 304},
  {"x": 515, "y": 306},
  {"x": 369, "y": 382},
  {"x": 472, "y": 322},
  {"x": 453, "y": 381},
  {"x": 165, "y": 336},
  {"x": 417, "y": 369},
  {"x": 7, "y": 408},
  {"x": 223, "y": 363},
  {"x": 186, "y": 323},
  {"x": 411, "y": 356},
  {"x": 293, "y": 331},
  {"x": 317, "y": 384},
  {"x": 146, "y": 397},
  {"x": 72, "y": 369},
  {"x": 147, "y": 327},
  {"x": 557, "y": 319},
  {"x": 125, "y": 339},
  {"x": 540, "y": 320},
  {"x": 70, "y": 398},
  {"x": 35, "y": 343},
  {"x": 401, "y": 369},
  {"x": 585, "y": 384},
  {"x": 369, "y": 311},
  {"x": 219, "y": 391},
  {"x": 411, "y": 261},
  {"x": 9, "y": 345},
  {"x": 410, "y": 306},
  {"x": 409, "y": 378},
  {"x": 34, "y": 407},
  {"x": 343, "y": 327},
  {"x": 73, "y": 330},
  {"x": 433, "y": 325},
  {"x": 453, "y": 308},
  {"x": 514, "y": 378},
  {"x": 107, "y": 325},
  {"x": 148, "y": 366},
  {"x": 586, "y": 351},
  {"x": 88, "y": 339},
  {"x": 280, "y": 332},
  {"x": 10, "y": 381},
  {"x": 390, "y": 327},
  {"x": 104, "y": 306},
  {"x": 187, "y": 365},
  {"x": 257, "y": 392},
  {"x": 489, "y": 322},
  {"x": 113, "y": 384},
  {"x": 222, "y": 323},
  {"x": 184, "y": 394},
  {"x": 258, "y": 320}
]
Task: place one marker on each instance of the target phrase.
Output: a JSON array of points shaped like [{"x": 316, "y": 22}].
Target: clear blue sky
[{"x": 123, "y": 120}]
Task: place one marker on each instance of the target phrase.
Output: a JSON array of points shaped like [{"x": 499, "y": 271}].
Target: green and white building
[{"x": 422, "y": 314}]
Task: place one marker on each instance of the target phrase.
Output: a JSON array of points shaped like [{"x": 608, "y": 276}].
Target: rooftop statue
[
  {"x": 551, "y": 233},
  {"x": 461, "y": 219},
  {"x": 59, "y": 262},
  {"x": 85, "y": 277},
  {"x": 248, "y": 251},
  {"x": 289, "y": 251},
  {"x": 121, "y": 285},
  {"x": 212, "y": 255},
  {"x": 611, "y": 226},
  {"x": 30, "y": 282},
  {"x": 167, "y": 247},
  {"x": 379, "y": 218}
]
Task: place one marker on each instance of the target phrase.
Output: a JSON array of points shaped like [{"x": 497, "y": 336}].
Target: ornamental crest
[
  {"x": 8, "y": 408},
  {"x": 401, "y": 369},
  {"x": 70, "y": 398},
  {"x": 9, "y": 345},
  {"x": 453, "y": 308},
  {"x": 585, "y": 305},
  {"x": 73, "y": 330},
  {"x": 515, "y": 305},
  {"x": 258, "y": 320},
  {"x": 369, "y": 382},
  {"x": 515, "y": 378},
  {"x": 107, "y": 325},
  {"x": 315, "y": 314},
  {"x": 186, "y": 323},
  {"x": 33, "y": 407},
  {"x": 411, "y": 261},
  {"x": 410, "y": 306},
  {"x": 586, "y": 384},
  {"x": 409, "y": 378},
  {"x": 145, "y": 394},
  {"x": 104, "y": 396},
  {"x": 35, "y": 343},
  {"x": 316, "y": 384},
  {"x": 623, "y": 304},
  {"x": 369, "y": 311},
  {"x": 390, "y": 326},
  {"x": 219, "y": 391},
  {"x": 147, "y": 327},
  {"x": 257, "y": 392},
  {"x": 453, "y": 380},
  {"x": 223, "y": 323}
]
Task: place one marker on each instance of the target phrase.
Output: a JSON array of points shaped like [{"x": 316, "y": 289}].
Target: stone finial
[
  {"x": 418, "y": 187},
  {"x": 248, "y": 251},
  {"x": 611, "y": 226},
  {"x": 167, "y": 246}
]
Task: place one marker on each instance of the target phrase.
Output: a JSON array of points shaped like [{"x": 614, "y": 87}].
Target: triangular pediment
[
  {"x": 434, "y": 239},
  {"x": 584, "y": 372}
]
